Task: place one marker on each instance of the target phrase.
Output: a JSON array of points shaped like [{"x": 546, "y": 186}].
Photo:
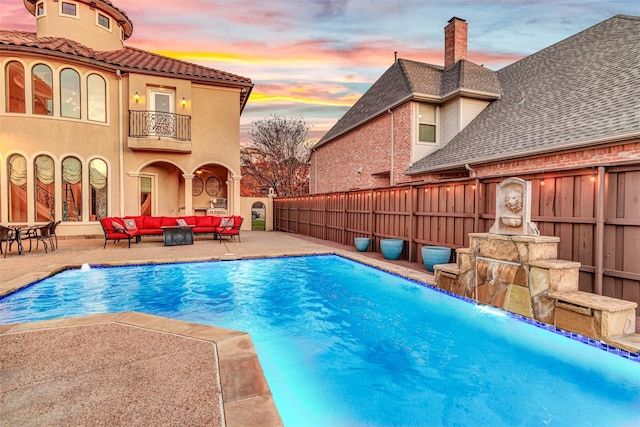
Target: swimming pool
[{"x": 342, "y": 343}]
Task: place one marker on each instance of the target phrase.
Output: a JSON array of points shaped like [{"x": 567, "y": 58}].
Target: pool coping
[{"x": 244, "y": 394}]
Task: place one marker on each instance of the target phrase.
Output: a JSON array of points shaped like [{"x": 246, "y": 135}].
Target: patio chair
[
  {"x": 54, "y": 236},
  {"x": 114, "y": 229},
  {"x": 40, "y": 233},
  {"x": 229, "y": 226},
  {"x": 9, "y": 235}
]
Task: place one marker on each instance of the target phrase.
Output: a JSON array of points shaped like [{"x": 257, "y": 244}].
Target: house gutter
[{"x": 521, "y": 155}]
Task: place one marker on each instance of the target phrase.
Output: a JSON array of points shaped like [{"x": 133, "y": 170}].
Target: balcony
[{"x": 159, "y": 131}]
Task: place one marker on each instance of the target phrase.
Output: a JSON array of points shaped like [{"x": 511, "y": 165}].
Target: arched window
[
  {"x": 42, "y": 87},
  {"x": 70, "y": 93},
  {"x": 14, "y": 74},
  {"x": 97, "y": 98},
  {"x": 17, "y": 166},
  {"x": 71, "y": 189},
  {"x": 44, "y": 181},
  {"x": 98, "y": 183}
]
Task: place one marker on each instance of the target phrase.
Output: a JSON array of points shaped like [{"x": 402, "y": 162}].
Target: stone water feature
[{"x": 514, "y": 268}]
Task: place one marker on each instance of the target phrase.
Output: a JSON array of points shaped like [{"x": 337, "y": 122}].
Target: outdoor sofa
[{"x": 134, "y": 227}]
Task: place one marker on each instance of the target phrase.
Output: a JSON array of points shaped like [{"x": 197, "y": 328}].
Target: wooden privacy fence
[{"x": 594, "y": 212}]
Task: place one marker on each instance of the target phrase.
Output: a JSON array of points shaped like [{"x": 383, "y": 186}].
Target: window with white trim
[
  {"x": 96, "y": 98},
  {"x": 70, "y": 93},
  {"x": 104, "y": 21},
  {"x": 426, "y": 123},
  {"x": 69, "y": 9},
  {"x": 40, "y": 11}
]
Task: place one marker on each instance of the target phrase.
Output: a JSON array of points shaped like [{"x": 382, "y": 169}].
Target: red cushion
[
  {"x": 168, "y": 221},
  {"x": 203, "y": 221},
  {"x": 215, "y": 221},
  {"x": 190, "y": 220},
  {"x": 152, "y": 222},
  {"x": 139, "y": 219}
]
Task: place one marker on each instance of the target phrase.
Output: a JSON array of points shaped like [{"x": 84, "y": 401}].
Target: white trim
[
  {"x": 44, "y": 9},
  {"x": 76, "y": 16},
  {"x": 109, "y": 20}
]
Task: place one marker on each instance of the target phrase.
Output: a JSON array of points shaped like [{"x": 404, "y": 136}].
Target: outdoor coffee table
[{"x": 178, "y": 235}]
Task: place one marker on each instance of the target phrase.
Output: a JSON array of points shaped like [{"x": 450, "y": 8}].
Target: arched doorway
[{"x": 258, "y": 216}]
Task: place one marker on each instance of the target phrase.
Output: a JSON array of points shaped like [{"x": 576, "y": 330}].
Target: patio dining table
[{"x": 9, "y": 235}]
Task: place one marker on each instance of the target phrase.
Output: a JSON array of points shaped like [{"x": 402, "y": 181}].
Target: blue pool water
[{"x": 344, "y": 344}]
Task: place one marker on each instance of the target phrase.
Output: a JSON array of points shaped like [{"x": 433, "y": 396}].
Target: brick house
[
  {"x": 91, "y": 128},
  {"x": 575, "y": 103},
  {"x": 419, "y": 156}
]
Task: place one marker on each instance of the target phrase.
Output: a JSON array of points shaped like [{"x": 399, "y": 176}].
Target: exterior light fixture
[
  {"x": 542, "y": 180},
  {"x": 593, "y": 174},
  {"x": 136, "y": 97},
  {"x": 183, "y": 102}
]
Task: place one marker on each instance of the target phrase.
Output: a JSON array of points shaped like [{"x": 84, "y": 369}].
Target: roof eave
[
  {"x": 524, "y": 154},
  {"x": 114, "y": 67},
  {"x": 374, "y": 116}
]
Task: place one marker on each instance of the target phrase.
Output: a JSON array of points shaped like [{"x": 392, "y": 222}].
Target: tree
[{"x": 278, "y": 157}]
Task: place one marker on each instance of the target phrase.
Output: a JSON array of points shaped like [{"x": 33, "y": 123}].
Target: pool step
[{"x": 593, "y": 315}]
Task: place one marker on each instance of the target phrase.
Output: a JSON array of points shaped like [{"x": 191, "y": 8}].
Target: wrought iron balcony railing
[{"x": 158, "y": 124}]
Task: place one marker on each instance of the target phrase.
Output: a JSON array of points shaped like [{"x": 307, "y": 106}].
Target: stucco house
[
  {"x": 91, "y": 128},
  {"x": 575, "y": 103}
]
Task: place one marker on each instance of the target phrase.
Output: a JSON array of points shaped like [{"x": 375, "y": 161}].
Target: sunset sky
[{"x": 314, "y": 59}]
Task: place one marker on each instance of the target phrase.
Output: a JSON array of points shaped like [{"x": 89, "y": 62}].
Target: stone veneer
[{"x": 522, "y": 274}]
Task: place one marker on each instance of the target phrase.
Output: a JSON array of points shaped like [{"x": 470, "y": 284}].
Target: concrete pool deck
[{"x": 138, "y": 369}]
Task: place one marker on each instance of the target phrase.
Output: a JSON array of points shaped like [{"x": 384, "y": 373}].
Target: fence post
[
  {"x": 599, "y": 243},
  {"x": 411, "y": 222}
]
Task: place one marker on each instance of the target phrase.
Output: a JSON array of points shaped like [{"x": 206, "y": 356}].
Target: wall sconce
[
  {"x": 136, "y": 97},
  {"x": 448, "y": 188},
  {"x": 542, "y": 180},
  {"x": 183, "y": 102},
  {"x": 593, "y": 174}
]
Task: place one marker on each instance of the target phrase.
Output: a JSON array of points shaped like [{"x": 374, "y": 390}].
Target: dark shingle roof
[
  {"x": 407, "y": 79},
  {"x": 127, "y": 59},
  {"x": 583, "y": 90}
]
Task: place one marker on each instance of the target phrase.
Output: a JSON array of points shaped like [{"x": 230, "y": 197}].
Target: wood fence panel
[
  {"x": 547, "y": 207},
  {"x": 631, "y": 235}
]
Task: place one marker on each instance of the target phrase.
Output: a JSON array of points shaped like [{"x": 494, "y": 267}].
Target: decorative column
[
  {"x": 188, "y": 194},
  {"x": 234, "y": 183},
  {"x": 269, "y": 210}
]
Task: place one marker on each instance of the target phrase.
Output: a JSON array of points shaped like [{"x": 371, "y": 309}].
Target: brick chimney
[{"x": 455, "y": 41}]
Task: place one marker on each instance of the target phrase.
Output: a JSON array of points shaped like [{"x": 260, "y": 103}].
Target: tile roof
[
  {"x": 127, "y": 59},
  {"x": 583, "y": 90},
  {"x": 407, "y": 79}
]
